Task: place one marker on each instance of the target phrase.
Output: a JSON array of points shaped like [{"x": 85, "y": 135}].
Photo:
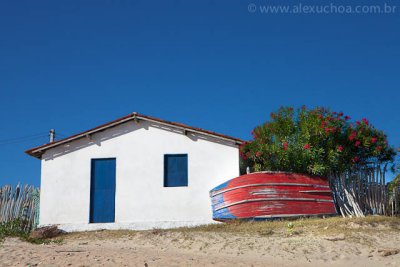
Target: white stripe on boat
[
  {"x": 273, "y": 199},
  {"x": 266, "y": 184}
]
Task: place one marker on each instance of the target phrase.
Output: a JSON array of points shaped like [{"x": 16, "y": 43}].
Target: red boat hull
[{"x": 272, "y": 195}]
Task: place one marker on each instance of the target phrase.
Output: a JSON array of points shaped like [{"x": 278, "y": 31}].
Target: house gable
[{"x": 191, "y": 132}]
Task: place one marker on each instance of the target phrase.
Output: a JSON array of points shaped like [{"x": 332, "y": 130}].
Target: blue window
[{"x": 175, "y": 170}]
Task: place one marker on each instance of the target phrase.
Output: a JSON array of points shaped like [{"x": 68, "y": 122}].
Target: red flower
[
  {"x": 357, "y": 143},
  {"x": 347, "y": 118},
  {"x": 320, "y": 116},
  {"x": 306, "y": 146},
  {"x": 340, "y": 148},
  {"x": 285, "y": 146},
  {"x": 365, "y": 121},
  {"x": 357, "y": 122},
  {"x": 373, "y": 140},
  {"x": 352, "y": 136},
  {"x": 356, "y": 159},
  {"x": 323, "y": 124},
  {"x": 378, "y": 148},
  {"x": 340, "y": 114},
  {"x": 327, "y": 130},
  {"x": 258, "y": 153}
]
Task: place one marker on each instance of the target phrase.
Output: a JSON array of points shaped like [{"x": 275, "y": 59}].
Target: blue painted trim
[
  {"x": 222, "y": 214},
  {"x": 221, "y": 186}
]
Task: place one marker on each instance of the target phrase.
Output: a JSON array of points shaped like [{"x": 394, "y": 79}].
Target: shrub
[
  {"x": 394, "y": 184},
  {"x": 15, "y": 228},
  {"x": 20, "y": 228},
  {"x": 317, "y": 142}
]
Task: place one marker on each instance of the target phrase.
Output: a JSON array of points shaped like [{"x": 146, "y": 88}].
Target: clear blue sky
[{"x": 71, "y": 65}]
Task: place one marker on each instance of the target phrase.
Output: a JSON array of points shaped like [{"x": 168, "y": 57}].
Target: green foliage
[
  {"x": 290, "y": 228},
  {"x": 316, "y": 141},
  {"x": 14, "y": 228},
  {"x": 394, "y": 183},
  {"x": 18, "y": 228}
]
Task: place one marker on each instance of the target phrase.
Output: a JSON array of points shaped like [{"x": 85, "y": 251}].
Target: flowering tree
[{"x": 316, "y": 141}]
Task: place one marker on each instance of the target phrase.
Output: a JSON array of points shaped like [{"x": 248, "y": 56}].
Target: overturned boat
[{"x": 264, "y": 195}]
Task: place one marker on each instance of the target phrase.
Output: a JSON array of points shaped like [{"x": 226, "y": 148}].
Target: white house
[{"x": 137, "y": 172}]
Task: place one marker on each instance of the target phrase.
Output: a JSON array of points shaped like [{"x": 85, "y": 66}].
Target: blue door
[{"x": 102, "y": 191}]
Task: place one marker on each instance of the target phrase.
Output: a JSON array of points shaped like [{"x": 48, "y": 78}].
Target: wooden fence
[
  {"x": 394, "y": 201},
  {"x": 19, "y": 203},
  {"x": 364, "y": 192}
]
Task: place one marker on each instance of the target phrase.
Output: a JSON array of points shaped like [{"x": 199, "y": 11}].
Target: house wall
[{"x": 142, "y": 202}]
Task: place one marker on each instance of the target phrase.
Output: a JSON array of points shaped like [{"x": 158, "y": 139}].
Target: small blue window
[{"x": 175, "y": 170}]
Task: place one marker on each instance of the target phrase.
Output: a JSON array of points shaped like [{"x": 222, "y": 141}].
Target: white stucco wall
[{"x": 142, "y": 202}]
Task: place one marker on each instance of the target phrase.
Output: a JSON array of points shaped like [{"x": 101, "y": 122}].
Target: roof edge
[{"x": 38, "y": 151}]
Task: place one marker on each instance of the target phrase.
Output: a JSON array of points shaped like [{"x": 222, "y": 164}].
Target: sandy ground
[{"x": 358, "y": 245}]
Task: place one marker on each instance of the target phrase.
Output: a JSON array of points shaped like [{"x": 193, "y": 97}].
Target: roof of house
[{"x": 39, "y": 150}]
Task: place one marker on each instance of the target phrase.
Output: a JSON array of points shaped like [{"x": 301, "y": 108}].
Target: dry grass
[
  {"x": 331, "y": 226},
  {"x": 101, "y": 235},
  {"x": 350, "y": 227}
]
